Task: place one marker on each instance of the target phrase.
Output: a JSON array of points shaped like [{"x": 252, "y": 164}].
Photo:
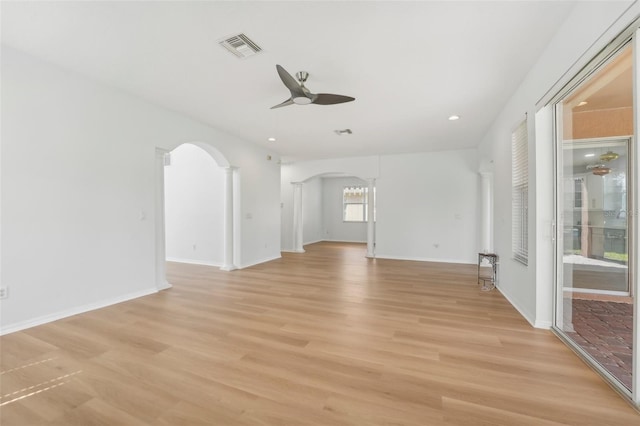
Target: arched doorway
[
  {"x": 195, "y": 213},
  {"x": 194, "y": 207},
  {"x": 295, "y": 222}
]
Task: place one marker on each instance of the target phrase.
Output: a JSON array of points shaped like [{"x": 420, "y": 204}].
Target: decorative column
[
  {"x": 228, "y": 220},
  {"x": 162, "y": 160},
  {"x": 371, "y": 244},
  {"x": 297, "y": 217},
  {"x": 487, "y": 212}
]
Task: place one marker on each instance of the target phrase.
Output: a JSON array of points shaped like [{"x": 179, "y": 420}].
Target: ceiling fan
[{"x": 300, "y": 95}]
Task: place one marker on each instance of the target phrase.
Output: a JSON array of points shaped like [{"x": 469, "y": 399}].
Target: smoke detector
[{"x": 241, "y": 46}]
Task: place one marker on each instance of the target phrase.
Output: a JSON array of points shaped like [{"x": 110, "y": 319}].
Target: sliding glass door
[{"x": 595, "y": 180}]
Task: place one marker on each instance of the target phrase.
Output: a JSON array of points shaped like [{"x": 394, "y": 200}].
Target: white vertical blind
[{"x": 520, "y": 193}]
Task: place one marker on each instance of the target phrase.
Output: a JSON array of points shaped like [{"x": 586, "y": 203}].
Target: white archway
[
  {"x": 298, "y": 223},
  {"x": 231, "y": 213}
]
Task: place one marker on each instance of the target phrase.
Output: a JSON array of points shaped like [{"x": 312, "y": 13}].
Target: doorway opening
[
  {"x": 194, "y": 207},
  {"x": 594, "y": 284},
  {"x": 196, "y": 196}
]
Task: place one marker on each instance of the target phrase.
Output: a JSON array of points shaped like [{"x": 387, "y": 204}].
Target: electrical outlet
[{"x": 4, "y": 292}]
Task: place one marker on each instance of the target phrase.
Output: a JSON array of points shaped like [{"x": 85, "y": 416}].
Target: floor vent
[{"x": 241, "y": 46}]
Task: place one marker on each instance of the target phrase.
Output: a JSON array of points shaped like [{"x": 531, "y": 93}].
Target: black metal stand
[{"x": 492, "y": 260}]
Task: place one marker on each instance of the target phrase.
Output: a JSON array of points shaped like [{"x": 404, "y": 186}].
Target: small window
[
  {"x": 355, "y": 204},
  {"x": 520, "y": 193},
  {"x": 578, "y": 185}
]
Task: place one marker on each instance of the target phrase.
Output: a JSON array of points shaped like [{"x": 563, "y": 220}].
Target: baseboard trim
[
  {"x": 164, "y": 285},
  {"x": 342, "y": 241},
  {"x": 267, "y": 259},
  {"x": 194, "y": 262},
  {"x": 228, "y": 268},
  {"x": 544, "y": 325},
  {"x": 527, "y": 317},
  {"x": 23, "y": 325},
  {"x": 423, "y": 259},
  {"x": 306, "y": 243}
]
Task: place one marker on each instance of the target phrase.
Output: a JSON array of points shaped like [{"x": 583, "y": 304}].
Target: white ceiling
[{"x": 408, "y": 64}]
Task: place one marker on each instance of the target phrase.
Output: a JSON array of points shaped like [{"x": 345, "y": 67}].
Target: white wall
[
  {"x": 580, "y": 37},
  {"x": 306, "y": 171},
  {"x": 78, "y": 194},
  {"x": 363, "y": 167},
  {"x": 194, "y": 200},
  {"x": 428, "y": 206},
  {"x": 427, "y": 203},
  {"x": 312, "y": 211},
  {"x": 335, "y": 229}
]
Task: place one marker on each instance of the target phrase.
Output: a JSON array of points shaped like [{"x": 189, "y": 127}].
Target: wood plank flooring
[{"x": 322, "y": 338}]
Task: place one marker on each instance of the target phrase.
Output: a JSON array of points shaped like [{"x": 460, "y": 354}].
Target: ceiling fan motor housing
[{"x": 302, "y": 76}]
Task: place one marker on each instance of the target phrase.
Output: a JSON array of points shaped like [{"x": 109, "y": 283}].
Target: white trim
[
  {"x": 159, "y": 221},
  {"x": 163, "y": 285},
  {"x": 311, "y": 242},
  {"x": 634, "y": 228},
  {"x": 613, "y": 36},
  {"x": 343, "y": 241},
  {"x": 228, "y": 268},
  {"x": 595, "y": 291},
  {"x": 425, "y": 259},
  {"x": 544, "y": 325},
  {"x": 74, "y": 311},
  {"x": 267, "y": 259},
  {"x": 193, "y": 262},
  {"x": 526, "y": 316}
]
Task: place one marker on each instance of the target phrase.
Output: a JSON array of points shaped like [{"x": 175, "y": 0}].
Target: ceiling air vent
[
  {"x": 241, "y": 46},
  {"x": 343, "y": 132}
]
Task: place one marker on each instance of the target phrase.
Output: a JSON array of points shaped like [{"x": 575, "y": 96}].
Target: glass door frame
[{"x": 631, "y": 35}]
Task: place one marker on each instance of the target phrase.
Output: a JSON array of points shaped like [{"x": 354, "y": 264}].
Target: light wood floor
[{"x": 323, "y": 338}]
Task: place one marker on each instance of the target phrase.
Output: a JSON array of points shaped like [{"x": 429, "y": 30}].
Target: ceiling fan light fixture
[
  {"x": 601, "y": 171},
  {"x": 300, "y": 95},
  {"x": 301, "y": 100},
  {"x": 609, "y": 155}
]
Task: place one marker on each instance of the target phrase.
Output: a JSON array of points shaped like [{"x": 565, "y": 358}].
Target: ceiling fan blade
[
  {"x": 329, "y": 99},
  {"x": 290, "y": 82},
  {"x": 285, "y": 103}
]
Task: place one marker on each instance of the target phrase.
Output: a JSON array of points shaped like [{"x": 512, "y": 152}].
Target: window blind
[
  {"x": 520, "y": 193},
  {"x": 354, "y": 202}
]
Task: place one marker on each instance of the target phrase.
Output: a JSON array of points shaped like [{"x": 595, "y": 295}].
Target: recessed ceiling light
[
  {"x": 271, "y": 139},
  {"x": 454, "y": 117},
  {"x": 583, "y": 103},
  {"x": 589, "y": 155}
]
